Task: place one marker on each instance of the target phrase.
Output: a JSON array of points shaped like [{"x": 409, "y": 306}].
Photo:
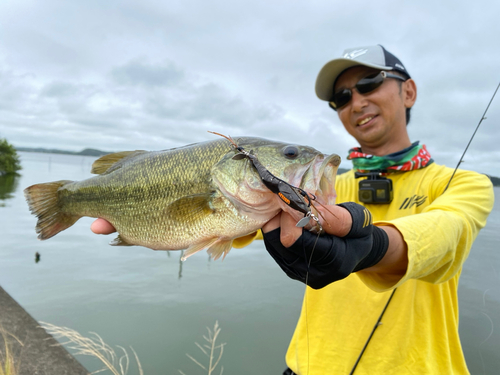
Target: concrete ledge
[{"x": 38, "y": 356}]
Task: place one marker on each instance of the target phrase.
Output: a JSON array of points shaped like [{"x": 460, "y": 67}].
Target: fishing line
[
  {"x": 299, "y": 200},
  {"x": 294, "y": 197},
  {"x": 378, "y": 323},
  {"x": 306, "y": 298},
  {"x": 473, "y": 134}
]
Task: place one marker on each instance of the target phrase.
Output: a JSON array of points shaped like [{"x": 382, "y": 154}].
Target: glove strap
[
  {"x": 379, "y": 249},
  {"x": 362, "y": 225},
  {"x": 361, "y": 220}
]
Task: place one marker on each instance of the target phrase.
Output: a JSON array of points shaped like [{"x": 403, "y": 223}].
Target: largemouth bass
[{"x": 194, "y": 197}]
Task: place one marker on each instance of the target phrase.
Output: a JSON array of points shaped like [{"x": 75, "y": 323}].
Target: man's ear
[{"x": 409, "y": 93}]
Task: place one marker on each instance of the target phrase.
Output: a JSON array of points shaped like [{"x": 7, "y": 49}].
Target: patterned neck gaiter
[{"x": 414, "y": 157}]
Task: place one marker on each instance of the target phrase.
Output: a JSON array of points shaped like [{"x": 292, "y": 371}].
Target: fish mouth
[{"x": 320, "y": 178}]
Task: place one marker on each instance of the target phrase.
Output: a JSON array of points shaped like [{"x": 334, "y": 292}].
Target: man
[{"x": 422, "y": 233}]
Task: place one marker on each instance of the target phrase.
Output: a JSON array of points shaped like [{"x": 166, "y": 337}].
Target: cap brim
[{"x": 330, "y": 72}]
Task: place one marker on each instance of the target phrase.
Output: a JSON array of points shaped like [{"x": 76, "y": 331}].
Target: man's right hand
[
  {"x": 101, "y": 226},
  {"x": 352, "y": 243}
]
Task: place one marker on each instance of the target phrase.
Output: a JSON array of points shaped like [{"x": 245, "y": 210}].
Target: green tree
[{"x": 9, "y": 160}]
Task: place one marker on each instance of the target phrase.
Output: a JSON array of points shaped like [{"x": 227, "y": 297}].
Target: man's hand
[
  {"x": 101, "y": 226},
  {"x": 352, "y": 243},
  {"x": 335, "y": 220}
]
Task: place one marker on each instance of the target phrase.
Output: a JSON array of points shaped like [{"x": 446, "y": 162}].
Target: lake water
[{"x": 149, "y": 300}]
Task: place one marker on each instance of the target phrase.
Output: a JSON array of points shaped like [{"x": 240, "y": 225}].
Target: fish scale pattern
[{"x": 194, "y": 196}]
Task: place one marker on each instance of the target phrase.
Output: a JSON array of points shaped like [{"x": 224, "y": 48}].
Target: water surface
[{"x": 147, "y": 299}]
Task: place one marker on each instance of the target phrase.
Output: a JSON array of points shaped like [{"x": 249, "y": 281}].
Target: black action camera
[{"x": 375, "y": 189}]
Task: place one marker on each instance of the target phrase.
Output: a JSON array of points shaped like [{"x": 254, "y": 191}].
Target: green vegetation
[
  {"x": 9, "y": 160},
  {"x": 8, "y": 184}
]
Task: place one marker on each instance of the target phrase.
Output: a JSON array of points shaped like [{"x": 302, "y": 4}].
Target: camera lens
[{"x": 365, "y": 196}]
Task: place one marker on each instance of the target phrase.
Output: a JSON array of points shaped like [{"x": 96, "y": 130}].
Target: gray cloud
[
  {"x": 139, "y": 73},
  {"x": 155, "y": 75}
]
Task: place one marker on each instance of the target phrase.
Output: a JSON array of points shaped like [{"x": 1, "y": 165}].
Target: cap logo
[
  {"x": 399, "y": 66},
  {"x": 355, "y": 53}
]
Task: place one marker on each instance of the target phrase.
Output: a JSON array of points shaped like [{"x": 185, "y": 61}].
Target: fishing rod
[
  {"x": 379, "y": 320},
  {"x": 301, "y": 201},
  {"x": 473, "y": 134},
  {"x": 295, "y": 197}
]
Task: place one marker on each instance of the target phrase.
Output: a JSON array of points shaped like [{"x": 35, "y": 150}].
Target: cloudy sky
[{"x": 125, "y": 75}]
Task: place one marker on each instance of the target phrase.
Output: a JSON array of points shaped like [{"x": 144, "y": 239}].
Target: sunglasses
[{"x": 364, "y": 86}]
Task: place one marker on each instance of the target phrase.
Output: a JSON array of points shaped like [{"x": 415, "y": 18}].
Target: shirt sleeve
[{"x": 440, "y": 237}]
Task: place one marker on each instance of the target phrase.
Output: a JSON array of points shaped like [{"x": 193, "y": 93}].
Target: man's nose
[{"x": 359, "y": 101}]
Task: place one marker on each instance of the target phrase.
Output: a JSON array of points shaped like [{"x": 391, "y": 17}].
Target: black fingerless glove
[{"x": 333, "y": 258}]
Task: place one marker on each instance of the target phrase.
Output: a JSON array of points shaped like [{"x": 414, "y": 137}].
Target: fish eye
[{"x": 291, "y": 152}]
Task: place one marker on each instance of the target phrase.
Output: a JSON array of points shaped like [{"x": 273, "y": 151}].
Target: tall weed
[
  {"x": 212, "y": 351},
  {"x": 8, "y": 365},
  {"x": 94, "y": 346}
]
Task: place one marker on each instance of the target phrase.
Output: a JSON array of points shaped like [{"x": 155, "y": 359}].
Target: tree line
[{"x": 9, "y": 160}]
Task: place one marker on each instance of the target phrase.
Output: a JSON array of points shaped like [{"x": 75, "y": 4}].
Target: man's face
[{"x": 377, "y": 119}]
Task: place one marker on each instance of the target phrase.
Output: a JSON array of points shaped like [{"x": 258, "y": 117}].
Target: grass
[
  {"x": 8, "y": 365},
  {"x": 210, "y": 349},
  {"x": 94, "y": 346}
]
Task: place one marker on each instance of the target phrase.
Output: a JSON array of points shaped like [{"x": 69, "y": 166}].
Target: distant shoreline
[
  {"x": 95, "y": 152},
  {"x": 85, "y": 152}
]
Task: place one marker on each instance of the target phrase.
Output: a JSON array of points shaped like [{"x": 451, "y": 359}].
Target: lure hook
[{"x": 293, "y": 196}]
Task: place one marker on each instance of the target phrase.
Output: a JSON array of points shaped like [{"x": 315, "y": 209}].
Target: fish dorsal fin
[{"x": 106, "y": 162}]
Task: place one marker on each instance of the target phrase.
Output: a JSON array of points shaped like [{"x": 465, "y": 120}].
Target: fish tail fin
[{"x": 43, "y": 202}]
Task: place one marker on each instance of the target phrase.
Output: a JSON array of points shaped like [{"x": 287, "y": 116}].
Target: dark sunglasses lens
[
  {"x": 341, "y": 98},
  {"x": 369, "y": 84},
  {"x": 364, "y": 86}
]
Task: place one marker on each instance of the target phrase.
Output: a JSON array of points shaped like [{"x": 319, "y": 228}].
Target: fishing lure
[{"x": 293, "y": 196}]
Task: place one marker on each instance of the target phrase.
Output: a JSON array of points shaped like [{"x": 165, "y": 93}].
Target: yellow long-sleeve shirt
[{"x": 419, "y": 331}]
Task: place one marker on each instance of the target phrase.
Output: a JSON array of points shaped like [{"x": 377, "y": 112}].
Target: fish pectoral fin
[
  {"x": 193, "y": 249},
  {"x": 191, "y": 208},
  {"x": 111, "y": 162},
  {"x": 220, "y": 248},
  {"x": 119, "y": 241}
]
